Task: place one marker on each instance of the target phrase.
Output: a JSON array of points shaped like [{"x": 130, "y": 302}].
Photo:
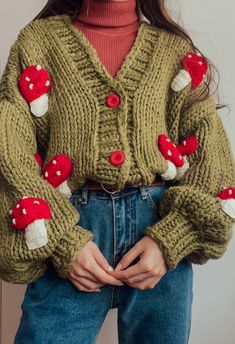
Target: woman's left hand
[{"x": 148, "y": 271}]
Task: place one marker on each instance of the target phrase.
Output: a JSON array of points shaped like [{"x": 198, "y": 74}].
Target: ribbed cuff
[
  {"x": 175, "y": 237},
  {"x": 71, "y": 244}
]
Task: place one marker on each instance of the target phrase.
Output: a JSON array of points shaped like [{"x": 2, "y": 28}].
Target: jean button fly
[{"x": 81, "y": 199}]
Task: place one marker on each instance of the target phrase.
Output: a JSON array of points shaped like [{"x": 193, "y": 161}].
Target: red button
[
  {"x": 113, "y": 100},
  {"x": 117, "y": 158}
]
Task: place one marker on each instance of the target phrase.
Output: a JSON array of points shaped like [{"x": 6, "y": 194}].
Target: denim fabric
[{"x": 55, "y": 311}]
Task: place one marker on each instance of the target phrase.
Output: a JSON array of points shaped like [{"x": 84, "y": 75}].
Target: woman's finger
[
  {"x": 101, "y": 260},
  {"x": 88, "y": 283},
  {"x": 129, "y": 256},
  {"x": 102, "y": 276},
  {"x": 132, "y": 271},
  {"x": 86, "y": 274},
  {"x": 82, "y": 272},
  {"x": 140, "y": 277},
  {"x": 148, "y": 282},
  {"x": 96, "y": 273},
  {"x": 81, "y": 278},
  {"x": 81, "y": 285}
]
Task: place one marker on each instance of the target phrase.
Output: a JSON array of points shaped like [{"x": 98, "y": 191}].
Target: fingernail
[
  {"x": 97, "y": 290},
  {"x": 118, "y": 267},
  {"x": 111, "y": 268}
]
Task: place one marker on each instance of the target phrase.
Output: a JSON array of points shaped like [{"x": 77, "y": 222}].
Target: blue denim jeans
[{"x": 55, "y": 311}]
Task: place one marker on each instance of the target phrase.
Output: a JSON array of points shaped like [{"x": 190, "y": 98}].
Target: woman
[{"x": 116, "y": 172}]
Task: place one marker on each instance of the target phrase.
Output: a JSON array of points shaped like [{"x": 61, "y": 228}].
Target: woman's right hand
[{"x": 89, "y": 269}]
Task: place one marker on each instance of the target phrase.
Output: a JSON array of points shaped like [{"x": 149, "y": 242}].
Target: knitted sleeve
[
  {"x": 38, "y": 223},
  {"x": 197, "y": 210}
]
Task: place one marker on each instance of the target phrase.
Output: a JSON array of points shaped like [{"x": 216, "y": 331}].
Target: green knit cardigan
[{"x": 80, "y": 125}]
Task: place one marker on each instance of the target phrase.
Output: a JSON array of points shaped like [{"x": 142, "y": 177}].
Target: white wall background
[{"x": 211, "y": 25}]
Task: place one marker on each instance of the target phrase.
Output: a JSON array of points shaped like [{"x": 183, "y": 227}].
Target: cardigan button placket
[
  {"x": 116, "y": 158},
  {"x": 113, "y": 100}
]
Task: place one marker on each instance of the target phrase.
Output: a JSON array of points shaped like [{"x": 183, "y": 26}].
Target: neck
[{"x": 108, "y": 13}]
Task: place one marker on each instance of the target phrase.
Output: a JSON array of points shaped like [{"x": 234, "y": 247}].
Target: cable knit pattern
[{"x": 80, "y": 125}]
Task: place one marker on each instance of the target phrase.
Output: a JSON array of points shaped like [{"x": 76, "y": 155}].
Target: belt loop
[
  {"x": 84, "y": 194},
  {"x": 143, "y": 191}
]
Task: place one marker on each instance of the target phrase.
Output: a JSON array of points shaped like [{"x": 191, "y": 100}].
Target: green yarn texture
[{"x": 79, "y": 124}]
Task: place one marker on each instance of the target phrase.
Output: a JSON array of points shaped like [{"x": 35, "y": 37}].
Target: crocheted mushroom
[
  {"x": 227, "y": 197},
  {"x": 170, "y": 152},
  {"x": 29, "y": 214},
  {"x": 38, "y": 159},
  {"x": 57, "y": 171},
  {"x": 194, "y": 70},
  {"x": 186, "y": 148},
  {"x": 34, "y": 85}
]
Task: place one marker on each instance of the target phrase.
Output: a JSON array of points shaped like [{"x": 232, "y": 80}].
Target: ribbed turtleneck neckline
[
  {"x": 111, "y": 28},
  {"x": 121, "y": 15}
]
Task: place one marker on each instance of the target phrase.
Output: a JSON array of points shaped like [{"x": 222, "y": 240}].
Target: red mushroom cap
[
  {"x": 27, "y": 210},
  {"x": 228, "y": 193},
  {"x": 169, "y": 150},
  {"x": 34, "y": 81},
  {"x": 188, "y": 146},
  {"x": 38, "y": 159},
  {"x": 196, "y": 66},
  {"x": 57, "y": 170}
]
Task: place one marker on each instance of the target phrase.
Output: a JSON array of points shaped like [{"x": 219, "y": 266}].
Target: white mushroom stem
[
  {"x": 228, "y": 206},
  {"x": 39, "y": 106},
  {"x": 181, "y": 170},
  {"x": 64, "y": 189},
  {"x": 181, "y": 80},
  {"x": 171, "y": 171},
  {"x": 36, "y": 234}
]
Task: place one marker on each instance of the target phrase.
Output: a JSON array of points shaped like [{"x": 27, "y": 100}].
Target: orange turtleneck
[{"x": 111, "y": 27}]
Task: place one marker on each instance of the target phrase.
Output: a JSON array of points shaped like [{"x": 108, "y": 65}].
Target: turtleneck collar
[{"x": 105, "y": 13}]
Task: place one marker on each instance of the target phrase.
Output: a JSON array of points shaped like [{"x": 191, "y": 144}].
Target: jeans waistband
[{"x": 84, "y": 191}]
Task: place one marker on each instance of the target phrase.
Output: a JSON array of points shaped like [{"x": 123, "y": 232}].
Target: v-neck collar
[{"x": 94, "y": 57}]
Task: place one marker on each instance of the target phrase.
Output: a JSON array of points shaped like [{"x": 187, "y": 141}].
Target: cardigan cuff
[
  {"x": 175, "y": 237},
  {"x": 72, "y": 243}
]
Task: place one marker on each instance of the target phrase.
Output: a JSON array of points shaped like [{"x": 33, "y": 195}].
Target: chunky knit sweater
[{"x": 65, "y": 119}]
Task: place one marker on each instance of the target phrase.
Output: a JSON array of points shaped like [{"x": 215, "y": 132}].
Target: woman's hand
[
  {"x": 149, "y": 269},
  {"x": 89, "y": 269}
]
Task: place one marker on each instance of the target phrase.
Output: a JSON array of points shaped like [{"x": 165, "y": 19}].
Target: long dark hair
[{"x": 156, "y": 12}]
